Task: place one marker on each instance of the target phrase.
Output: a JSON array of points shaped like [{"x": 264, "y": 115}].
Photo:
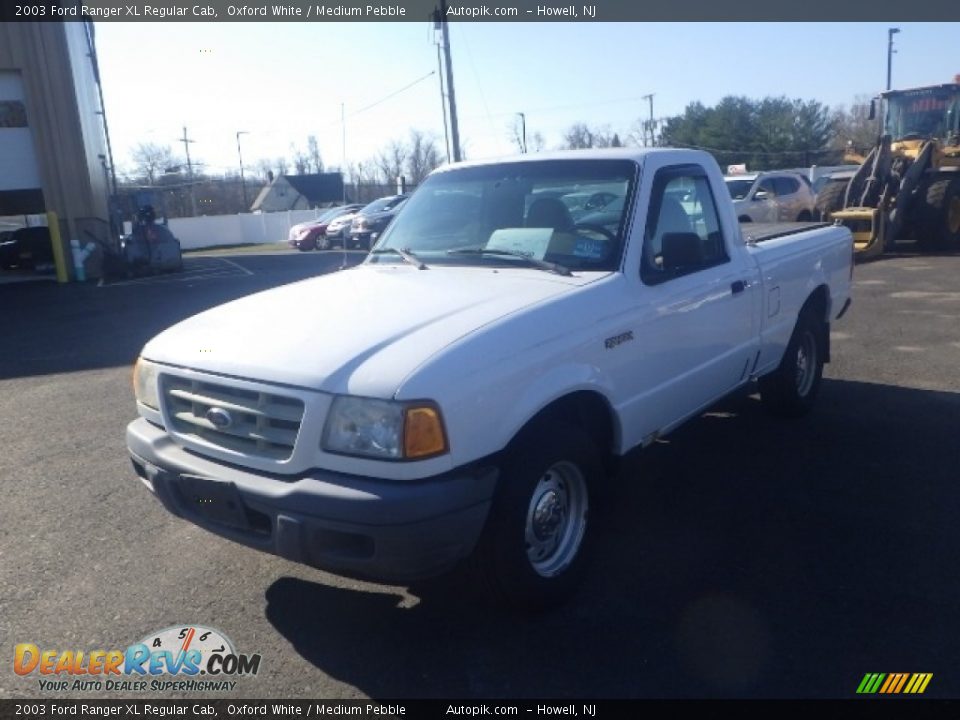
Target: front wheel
[
  {"x": 939, "y": 221},
  {"x": 790, "y": 390},
  {"x": 533, "y": 550}
]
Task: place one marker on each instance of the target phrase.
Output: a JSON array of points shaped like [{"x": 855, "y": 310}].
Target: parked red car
[{"x": 310, "y": 235}]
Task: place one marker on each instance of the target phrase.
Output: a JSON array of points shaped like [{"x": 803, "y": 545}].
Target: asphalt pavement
[{"x": 744, "y": 557}]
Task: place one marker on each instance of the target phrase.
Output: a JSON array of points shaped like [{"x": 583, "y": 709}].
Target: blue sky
[{"x": 282, "y": 81}]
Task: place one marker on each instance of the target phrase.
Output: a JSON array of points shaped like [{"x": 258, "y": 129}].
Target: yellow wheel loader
[{"x": 908, "y": 185}]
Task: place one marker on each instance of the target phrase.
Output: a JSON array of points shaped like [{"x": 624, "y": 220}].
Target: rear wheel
[
  {"x": 790, "y": 390},
  {"x": 830, "y": 199},
  {"x": 804, "y": 216},
  {"x": 534, "y": 547},
  {"x": 938, "y": 223}
]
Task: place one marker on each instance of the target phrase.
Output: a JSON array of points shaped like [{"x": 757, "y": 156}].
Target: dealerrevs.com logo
[{"x": 178, "y": 658}]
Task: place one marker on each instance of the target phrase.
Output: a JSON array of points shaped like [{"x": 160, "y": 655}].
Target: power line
[{"x": 393, "y": 94}]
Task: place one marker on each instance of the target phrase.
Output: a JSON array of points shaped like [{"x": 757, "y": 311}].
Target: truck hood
[{"x": 360, "y": 331}]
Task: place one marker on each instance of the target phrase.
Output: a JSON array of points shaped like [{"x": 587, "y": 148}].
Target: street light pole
[
  {"x": 243, "y": 181},
  {"x": 649, "y": 122},
  {"x": 890, "y": 51},
  {"x": 523, "y": 133}
]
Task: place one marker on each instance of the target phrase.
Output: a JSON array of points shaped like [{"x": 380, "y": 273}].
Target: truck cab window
[{"x": 683, "y": 232}]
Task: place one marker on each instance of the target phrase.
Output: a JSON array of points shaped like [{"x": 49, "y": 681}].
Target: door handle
[{"x": 739, "y": 286}]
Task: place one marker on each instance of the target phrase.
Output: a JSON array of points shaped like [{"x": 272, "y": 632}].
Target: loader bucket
[{"x": 866, "y": 225}]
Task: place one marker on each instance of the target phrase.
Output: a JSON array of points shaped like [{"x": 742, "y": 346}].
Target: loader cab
[{"x": 922, "y": 113}]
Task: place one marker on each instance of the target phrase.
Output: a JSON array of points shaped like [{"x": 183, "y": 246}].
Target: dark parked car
[
  {"x": 311, "y": 235},
  {"x": 28, "y": 248},
  {"x": 372, "y": 220}
]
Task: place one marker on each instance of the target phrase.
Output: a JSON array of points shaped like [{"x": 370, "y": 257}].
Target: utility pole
[
  {"x": 440, "y": 16},
  {"x": 890, "y": 51},
  {"x": 243, "y": 182},
  {"x": 186, "y": 147},
  {"x": 343, "y": 161},
  {"x": 650, "y": 121},
  {"x": 523, "y": 133},
  {"x": 443, "y": 103}
]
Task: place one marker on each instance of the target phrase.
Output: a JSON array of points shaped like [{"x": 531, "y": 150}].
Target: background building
[{"x": 54, "y": 154}]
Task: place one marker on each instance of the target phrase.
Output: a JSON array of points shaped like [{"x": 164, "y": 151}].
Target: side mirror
[
  {"x": 873, "y": 109},
  {"x": 761, "y": 195}
]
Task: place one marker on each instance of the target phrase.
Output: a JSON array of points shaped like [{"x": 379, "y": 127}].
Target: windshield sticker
[
  {"x": 590, "y": 249},
  {"x": 531, "y": 242}
]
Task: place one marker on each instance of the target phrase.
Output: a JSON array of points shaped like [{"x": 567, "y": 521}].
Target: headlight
[
  {"x": 145, "y": 383},
  {"x": 384, "y": 429}
]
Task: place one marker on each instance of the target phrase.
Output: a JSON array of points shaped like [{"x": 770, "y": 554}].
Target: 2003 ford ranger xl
[{"x": 518, "y": 327}]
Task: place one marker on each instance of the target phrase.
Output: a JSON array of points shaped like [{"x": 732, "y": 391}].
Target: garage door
[{"x": 20, "y": 192}]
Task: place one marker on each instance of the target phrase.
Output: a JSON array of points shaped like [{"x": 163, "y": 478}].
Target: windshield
[
  {"x": 382, "y": 204},
  {"x": 331, "y": 214},
  {"x": 930, "y": 112},
  {"x": 739, "y": 189},
  {"x": 538, "y": 210}
]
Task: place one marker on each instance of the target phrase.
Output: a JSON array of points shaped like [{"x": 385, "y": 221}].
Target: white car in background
[
  {"x": 338, "y": 231},
  {"x": 769, "y": 197}
]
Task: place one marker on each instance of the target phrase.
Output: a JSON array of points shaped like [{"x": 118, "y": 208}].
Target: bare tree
[
  {"x": 301, "y": 161},
  {"x": 264, "y": 169},
  {"x": 151, "y": 160},
  {"x": 423, "y": 156},
  {"x": 281, "y": 165},
  {"x": 390, "y": 161},
  {"x": 535, "y": 142},
  {"x": 515, "y": 133},
  {"x": 313, "y": 153},
  {"x": 577, "y": 136},
  {"x": 854, "y": 126},
  {"x": 581, "y": 135}
]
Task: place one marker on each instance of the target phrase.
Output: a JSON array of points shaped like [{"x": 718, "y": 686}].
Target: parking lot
[{"x": 745, "y": 556}]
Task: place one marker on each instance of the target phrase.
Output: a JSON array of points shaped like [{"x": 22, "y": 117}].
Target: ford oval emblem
[{"x": 219, "y": 418}]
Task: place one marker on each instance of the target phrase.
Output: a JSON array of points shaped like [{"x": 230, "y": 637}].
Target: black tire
[
  {"x": 804, "y": 216},
  {"x": 539, "y": 471},
  {"x": 790, "y": 390},
  {"x": 938, "y": 221},
  {"x": 323, "y": 243},
  {"x": 744, "y": 219},
  {"x": 830, "y": 199}
]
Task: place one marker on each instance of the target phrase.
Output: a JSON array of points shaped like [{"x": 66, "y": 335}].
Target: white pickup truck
[{"x": 465, "y": 392}]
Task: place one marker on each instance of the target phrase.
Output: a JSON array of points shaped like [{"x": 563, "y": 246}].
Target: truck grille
[{"x": 262, "y": 424}]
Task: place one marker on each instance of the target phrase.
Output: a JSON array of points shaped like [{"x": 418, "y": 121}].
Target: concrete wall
[{"x": 244, "y": 229}]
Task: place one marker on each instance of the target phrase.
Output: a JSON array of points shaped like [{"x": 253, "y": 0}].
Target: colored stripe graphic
[{"x": 894, "y": 683}]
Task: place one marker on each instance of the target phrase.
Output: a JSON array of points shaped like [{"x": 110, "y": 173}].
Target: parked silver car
[{"x": 776, "y": 196}]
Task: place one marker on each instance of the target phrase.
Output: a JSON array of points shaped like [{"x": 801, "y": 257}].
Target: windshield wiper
[
  {"x": 404, "y": 253},
  {"x": 532, "y": 261}
]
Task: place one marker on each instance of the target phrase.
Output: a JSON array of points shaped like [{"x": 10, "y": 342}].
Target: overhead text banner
[
  {"x": 494, "y": 11},
  {"x": 447, "y": 709}
]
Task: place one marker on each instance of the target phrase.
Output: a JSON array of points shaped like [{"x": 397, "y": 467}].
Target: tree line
[{"x": 768, "y": 133}]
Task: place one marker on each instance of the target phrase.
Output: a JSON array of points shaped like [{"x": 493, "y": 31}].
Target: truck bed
[{"x": 762, "y": 232}]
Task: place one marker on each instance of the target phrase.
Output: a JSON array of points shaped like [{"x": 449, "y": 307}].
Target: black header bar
[{"x": 478, "y": 11}]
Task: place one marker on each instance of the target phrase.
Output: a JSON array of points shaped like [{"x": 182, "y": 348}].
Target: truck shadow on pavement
[{"x": 743, "y": 556}]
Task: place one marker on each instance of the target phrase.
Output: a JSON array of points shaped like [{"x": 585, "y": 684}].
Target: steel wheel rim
[
  {"x": 806, "y": 364},
  {"x": 556, "y": 519}
]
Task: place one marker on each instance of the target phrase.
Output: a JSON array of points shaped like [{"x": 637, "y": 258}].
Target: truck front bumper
[{"x": 382, "y": 530}]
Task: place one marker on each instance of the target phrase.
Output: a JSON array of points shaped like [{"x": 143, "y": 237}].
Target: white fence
[{"x": 244, "y": 229}]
